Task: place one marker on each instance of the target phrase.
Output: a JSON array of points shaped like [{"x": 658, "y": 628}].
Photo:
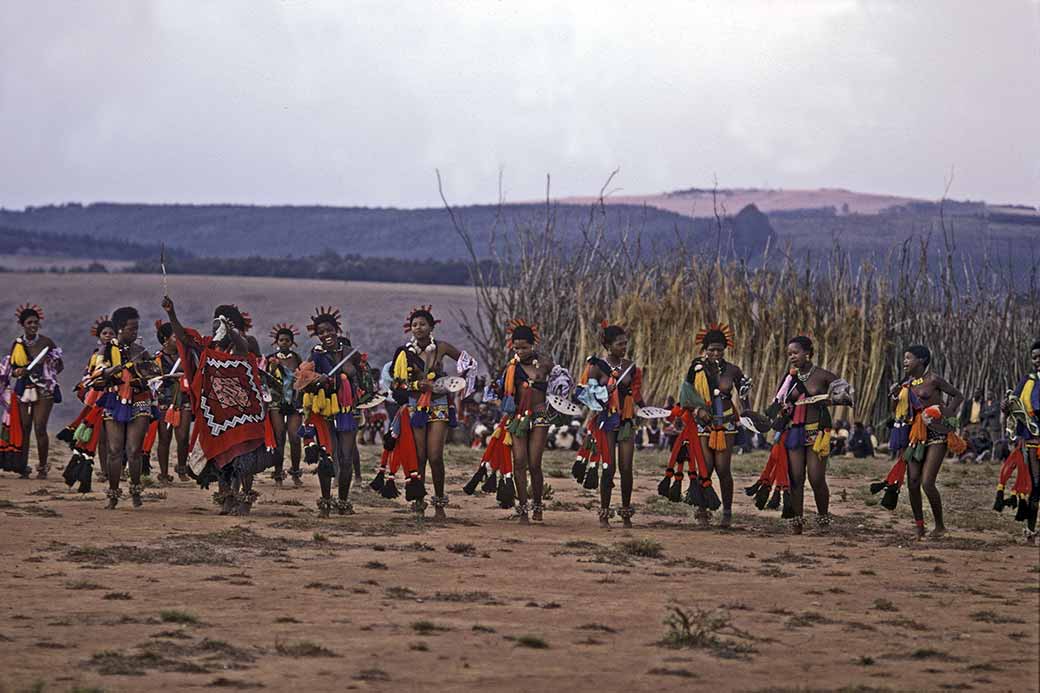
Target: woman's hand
[{"x": 18, "y": 372}]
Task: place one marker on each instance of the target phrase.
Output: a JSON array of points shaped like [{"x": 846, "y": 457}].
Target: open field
[
  {"x": 373, "y": 312},
  {"x": 101, "y": 600}
]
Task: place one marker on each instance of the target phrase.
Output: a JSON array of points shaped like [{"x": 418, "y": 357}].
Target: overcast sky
[{"x": 356, "y": 103}]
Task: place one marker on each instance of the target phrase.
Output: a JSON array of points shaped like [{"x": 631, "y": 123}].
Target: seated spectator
[{"x": 860, "y": 443}]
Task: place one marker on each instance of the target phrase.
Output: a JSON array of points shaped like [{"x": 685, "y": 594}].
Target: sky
[{"x": 358, "y": 103}]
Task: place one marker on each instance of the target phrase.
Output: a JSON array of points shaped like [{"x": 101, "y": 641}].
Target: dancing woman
[
  {"x": 802, "y": 422},
  {"x": 337, "y": 379},
  {"x": 286, "y": 409},
  {"x": 612, "y": 387},
  {"x": 128, "y": 402},
  {"x": 712, "y": 390},
  {"x": 415, "y": 367},
  {"x": 174, "y": 403},
  {"x": 227, "y": 404},
  {"x": 1022, "y": 408},
  {"x": 29, "y": 395},
  {"x": 923, "y": 432},
  {"x": 86, "y": 434}
]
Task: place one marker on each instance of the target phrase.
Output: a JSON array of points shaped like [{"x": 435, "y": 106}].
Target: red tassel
[
  {"x": 14, "y": 436},
  {"x": 897, "y": 473},
  {"x": 1009, "y": 466},
  {"x": 404, "y": 449},
  {"x": 781, "y": 473},
  {"x": 269, "y": 439},
  {"x": 95, "y": 419},
  {"x": 149, "y": 437}
]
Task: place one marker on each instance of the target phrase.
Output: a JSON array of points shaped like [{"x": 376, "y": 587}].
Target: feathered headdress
[
  {"x": 23, "y": 311},
  {"x": 285, "y": 327},
  {"x": 519, "y": 329},
  {"x": 325, "y": 314},
  {"x": 424, "y": 311},
  {"x": 101, "y": 323},
  {"x": 715, "y": 333}
]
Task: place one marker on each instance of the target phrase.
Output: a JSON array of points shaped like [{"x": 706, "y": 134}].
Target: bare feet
[
  {"x": 439, "y": 514},
  {"x": 938, "y": 533},
  {"x": 919, "y": 532},
  {"x": 702, "y": 518},
  {"x": 726, "y": 521},
  {"x": 536, "y": 513}
]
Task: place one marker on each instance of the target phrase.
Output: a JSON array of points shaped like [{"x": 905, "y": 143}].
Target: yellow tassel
[
  {"x": 1026, "y": 398},
  {"x": 822, "y": 446},
  {"x": 401, "y": 366},
  {"x": 717, "y": 439},
  {"x": 700, "y": 383},
  {"x": 19, "y": 356},
  {"x": 903, "y": 404}
]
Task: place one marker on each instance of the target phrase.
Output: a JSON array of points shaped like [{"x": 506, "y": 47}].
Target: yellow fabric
[
  {"x": 510, "y": 380},
  {"x": 717, "y": 439},
  {"x": 1027, "y": 396},
  {"x": 401, "y": 366},
  {"x": 19, "y": 356},
  {"x": 700, "y": 384},
  {"x": 822, "y": 445},
  {"x": 976, "y": 412},
  {"x": 117, "y": 355},
  {"x": 903, "y": 404}
]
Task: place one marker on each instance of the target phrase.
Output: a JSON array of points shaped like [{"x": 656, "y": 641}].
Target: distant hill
[
  {"x": 808, "y": 221},
  {"x": 243, "y": 231}
]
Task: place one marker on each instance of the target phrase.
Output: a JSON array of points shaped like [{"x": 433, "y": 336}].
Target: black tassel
[
  {"x": 208, "y": 475},
  {"x": 665, "y": 483},
  {"x": 414, "y": 489},
  {"x": 146, "y": 465},
  {"x": 752, "y": 490},
  {"x": 471, "y": 486},
  {"x": 675, "y": 492},
  {"x": 1011, "y": 501},
  {"x": 998, "y": 504},
  {"x": 711, "y": 498},
  {"x": 1023, "y": 510},
  {"x": 578, "y": 469},
  {"x": 891, "y": 497},
  {"x": 878, "y": 486},
  {"x": 311, "y": 453},
  {"x": 762, "y": 496},
  {"x": 592, "y": 477},
  {"x": 491, "y": 483},
  {"x": 390, "y": 489},
  {"x": 788, "y": 509},
  {"x": 507, "y": 493},
  {"x": 71, "y": 473},
  {"x": 86, "y": 475},
  {"x": 774, "y": 500},
  {"x": 66, "y": 435},
  {"x": 378, "y": 481}
]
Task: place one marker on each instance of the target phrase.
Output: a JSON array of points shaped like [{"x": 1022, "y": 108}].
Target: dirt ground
[{"x": 173, "y": 596}]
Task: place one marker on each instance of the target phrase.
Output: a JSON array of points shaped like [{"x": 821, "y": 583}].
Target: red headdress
[
  {"x": 519, "y": 329},
  {"x": 102, "y": 322},
  {"x": 325, "y": 314},
  {"x": 417, "y": 311},
  {"x": 27, "y": 308},
  {"x": 284, "y": 327},
  {"x": 710, "y": 334}
]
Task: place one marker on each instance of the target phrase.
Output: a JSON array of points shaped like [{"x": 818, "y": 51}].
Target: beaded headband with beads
[
  {"x": 325, "y": 314},
  {"x": 287, "y": 328},
  {"x": 519, "y": 329},
  {"x": 22, "y": 311},
  {"x": 101, "y": 323},
  {"x": 712, "y": 333},
  {"x": 420, "y": 311}
]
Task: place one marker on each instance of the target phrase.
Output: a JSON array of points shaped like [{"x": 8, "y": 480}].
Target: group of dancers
[{"x": 242, "y": 408}]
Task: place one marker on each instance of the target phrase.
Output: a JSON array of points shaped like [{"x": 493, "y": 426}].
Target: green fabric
[
  {"x": 625, "y": 432},
  {"x": 688, "y": 397}
]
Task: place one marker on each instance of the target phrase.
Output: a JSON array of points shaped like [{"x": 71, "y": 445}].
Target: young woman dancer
[
  {"x": 36, "y": 391},
  {"x": 330, "y": 402},
  {"x": 286, "y": 406},
  {"x": 922, "y": 430},
  {"x": 415, "y": 367},
  {"x": 174, "y": 405},
  {"x": 620, "y": 381},
  {"x": 716, "y": 386},
  {"x": 804, "y": 431},
  {"x": 128, "y": 402}
]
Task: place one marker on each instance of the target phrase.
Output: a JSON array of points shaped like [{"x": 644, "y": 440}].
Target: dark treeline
[{"x": 326, "y": 265}]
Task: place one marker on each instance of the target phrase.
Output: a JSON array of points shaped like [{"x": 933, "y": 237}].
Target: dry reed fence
[{"x": 977, "y": 321}]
